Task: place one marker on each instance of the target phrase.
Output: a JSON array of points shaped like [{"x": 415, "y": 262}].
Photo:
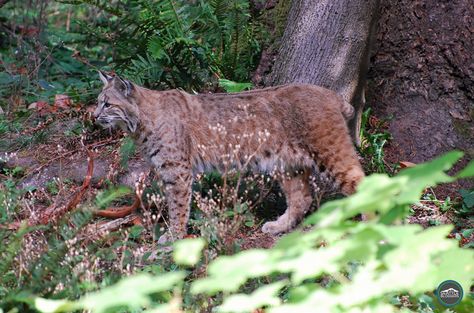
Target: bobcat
[{"x": 292, "y": 130}]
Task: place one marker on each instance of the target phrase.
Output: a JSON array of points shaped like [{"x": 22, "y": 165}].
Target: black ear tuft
[
  {"x": 124, "y": 86},
  {"x": 105, "y": 78}
]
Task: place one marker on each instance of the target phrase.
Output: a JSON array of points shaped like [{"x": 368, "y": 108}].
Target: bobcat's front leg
[
  {"x": 176, "y": 176},
  {"x": 177, "y": 181}
]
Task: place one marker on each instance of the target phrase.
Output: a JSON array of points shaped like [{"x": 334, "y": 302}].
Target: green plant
[
  {"x": 230, "y": 86},
  {"x": 75, "y": 130},
  {"x": 63, "y": 259},
  {"x": 372, "y": 144},
  {"x": 176, "y": 43},
  {"x": 39, "y": 57},
  {"x": 467, "y": 203},
  {"x": 222, "y": 204},
  {"x": 10, "y": 195},
  {"x": 380, "y": 265},
  {"x": 104, "y": 198},
  {"x": 52, "y": 187},
  {"x": 33, "y": 265},
  {"x": 126, "y": 151},
  {"x": 14, "y": 172}
]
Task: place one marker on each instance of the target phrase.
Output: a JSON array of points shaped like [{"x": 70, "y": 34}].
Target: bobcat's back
[{"x": 281, "y": 128}]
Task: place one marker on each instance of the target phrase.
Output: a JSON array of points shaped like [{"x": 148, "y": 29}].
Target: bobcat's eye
[{"x": 106, "y": 104}]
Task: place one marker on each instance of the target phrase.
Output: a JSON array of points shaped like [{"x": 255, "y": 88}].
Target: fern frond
[
  {"x": 11, "y": 245},
  {"x": 103, "y": 6},
  {"x": 220, "y": 8}
]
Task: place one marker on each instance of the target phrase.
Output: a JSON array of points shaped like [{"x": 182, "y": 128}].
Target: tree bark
[
  {"x": 422, "y": 75},
  {"x": 326, "y": 43}
]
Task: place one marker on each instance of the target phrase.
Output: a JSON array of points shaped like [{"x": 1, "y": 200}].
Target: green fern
[
  {"x": 54, "y": 268},
  {"x": 175, "y": 43},
  {"x": 11, "y": 244},
  {"x": 145, "y": 71}
]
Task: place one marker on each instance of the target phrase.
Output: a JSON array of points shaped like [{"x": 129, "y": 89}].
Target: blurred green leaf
[
  {"x": 137, "y": 288},
  {"x": 466, "y": 172},
  {"x": 263, "y": 296},
  {"x": 467, "y": 197},
  {"x": 156, "y": 50},
  {"x": 136, "y": 231},
  {"x": 104, "y": 198},
  {"x": 188, "y": 251},
  {"x": 45, "y": 85},
  {"x": 427, "y": 174},
  {"x": 131, "y": 292},
  {"x": 6, "y": 78},
  {"x": 53, "y": 306},
  {"x": 226, "y": 272}
]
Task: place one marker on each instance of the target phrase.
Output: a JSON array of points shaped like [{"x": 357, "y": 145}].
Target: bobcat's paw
[{"x": 275, "y": 228}]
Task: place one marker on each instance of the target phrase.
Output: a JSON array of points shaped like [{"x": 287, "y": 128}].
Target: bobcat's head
[{"x": 117, "y": 106}]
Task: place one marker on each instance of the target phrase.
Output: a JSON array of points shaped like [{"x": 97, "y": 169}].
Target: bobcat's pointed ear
[
  {"x": 105, "y": 78},
  {"x": 122, "y": 85}
]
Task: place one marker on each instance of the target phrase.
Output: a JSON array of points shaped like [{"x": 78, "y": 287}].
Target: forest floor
[{"x": 53, "y": 154}]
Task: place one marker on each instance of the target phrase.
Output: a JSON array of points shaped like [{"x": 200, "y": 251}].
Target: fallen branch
[{"x": 103, "y": 228}]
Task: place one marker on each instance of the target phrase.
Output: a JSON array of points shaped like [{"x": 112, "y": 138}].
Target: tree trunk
[
  {"x": 422, "y": 75},
  {"x": 326, "y": 43}
]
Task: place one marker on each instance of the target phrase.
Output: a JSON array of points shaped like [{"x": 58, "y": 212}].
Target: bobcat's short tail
[{"x": 347, "y": 110}]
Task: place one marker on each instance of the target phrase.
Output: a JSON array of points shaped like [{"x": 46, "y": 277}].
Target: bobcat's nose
[
  {"x": 96, "y": 113},
  {"x": 98, "y": 118}
]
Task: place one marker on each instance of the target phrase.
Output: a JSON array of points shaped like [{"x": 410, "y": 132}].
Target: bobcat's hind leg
[{"x": 298, "y": 200}]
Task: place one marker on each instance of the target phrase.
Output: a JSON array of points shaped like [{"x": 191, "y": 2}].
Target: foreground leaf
[
  {"x": 131, "y": 292},
  {"x": 188, "y": 251},
  {"x": 263, "y": 296}
]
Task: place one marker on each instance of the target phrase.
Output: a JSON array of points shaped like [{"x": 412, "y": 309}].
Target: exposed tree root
[
  {"x": 123, "y": 211},
  {"x": 53, "y": 213}
]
